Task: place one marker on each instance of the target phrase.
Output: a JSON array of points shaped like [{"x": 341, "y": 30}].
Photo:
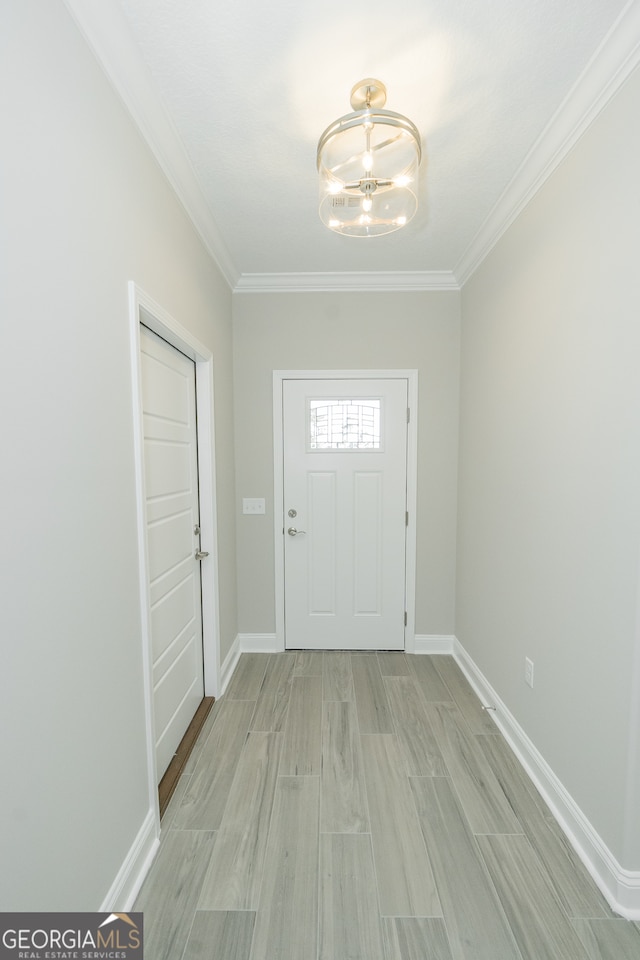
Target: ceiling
[{"x": 248, "y": 87}]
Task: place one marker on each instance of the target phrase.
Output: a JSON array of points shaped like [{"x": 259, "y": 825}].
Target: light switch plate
[{"x": 253, "y": 505}]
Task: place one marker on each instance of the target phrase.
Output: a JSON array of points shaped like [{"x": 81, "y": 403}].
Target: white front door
[
  {"x": 345, "y": 501},
  {"x": 172, "y": 515}
]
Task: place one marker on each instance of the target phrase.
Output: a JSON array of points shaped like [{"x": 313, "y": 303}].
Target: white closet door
[{"x": 172, "y": 513}]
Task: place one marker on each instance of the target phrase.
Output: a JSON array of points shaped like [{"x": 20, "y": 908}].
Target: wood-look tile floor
[{"x": 364, "y": 807}]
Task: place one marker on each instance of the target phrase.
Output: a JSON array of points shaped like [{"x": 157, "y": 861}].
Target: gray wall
[
  {"x": 84, "y": 210},
  {"x": 549, "y": 504},
  {"x": 349, "y": 331}
]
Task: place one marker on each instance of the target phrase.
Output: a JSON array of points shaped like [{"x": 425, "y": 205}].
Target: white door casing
[
  {"x": 345, "y": 575},
  {"x": 173, "y": 537}
]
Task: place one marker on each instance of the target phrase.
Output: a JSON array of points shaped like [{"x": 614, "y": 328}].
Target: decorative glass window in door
[{"x": 353, "y": 424}]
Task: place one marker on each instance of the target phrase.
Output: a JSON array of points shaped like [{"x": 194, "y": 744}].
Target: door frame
[
  {"x": 411, "y": 376},
  {"x": 143, "y": 309}
]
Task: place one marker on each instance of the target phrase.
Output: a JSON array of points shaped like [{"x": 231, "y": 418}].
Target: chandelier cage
[{"x": 368, "y": 165}]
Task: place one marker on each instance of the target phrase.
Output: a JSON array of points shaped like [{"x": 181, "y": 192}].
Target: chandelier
[{"x": 368, "y": 164}]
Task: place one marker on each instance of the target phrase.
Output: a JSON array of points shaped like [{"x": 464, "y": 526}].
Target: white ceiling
[{"x": 249, "y": 87}]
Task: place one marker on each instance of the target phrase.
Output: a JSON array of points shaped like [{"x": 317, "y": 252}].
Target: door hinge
[
  {"x": 408, "y": 414},
  {"x": 405, "y": 618},
  {"x": 406, "y": 519}
]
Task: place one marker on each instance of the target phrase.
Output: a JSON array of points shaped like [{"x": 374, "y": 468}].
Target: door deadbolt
[{"x": 292, "y": 513}]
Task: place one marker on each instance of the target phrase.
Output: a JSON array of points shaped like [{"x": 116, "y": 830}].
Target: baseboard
[
  {"x": 229, "y": 664},
  {"x": 259, "y": 643},
  {"x": 246, "y": 643},
  {"x": 620, "y": 887},
  {"x": 268, "y": 643},
  {"x": 432, "y": 644},
  {"x": 126, "y": 886}
]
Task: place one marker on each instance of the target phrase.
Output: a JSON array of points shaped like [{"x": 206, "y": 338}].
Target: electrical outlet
[
  {"x": 528, "y": 671},
  {"x": 253, "y": 505}
]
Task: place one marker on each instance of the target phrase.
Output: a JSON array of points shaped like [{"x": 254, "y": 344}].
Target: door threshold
[{"x": 173, "y": 772}]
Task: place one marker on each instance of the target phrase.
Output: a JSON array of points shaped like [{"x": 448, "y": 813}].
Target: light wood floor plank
[
  {"x": 287, "y": 918},
  {"x": 273, "y": 697},
  {"x": 206, "y": 796},
  {"x": 343, "y": 791},
  {"x": 220, "y": 935},
  {"x": 169, "y": 895},
  {"x": 309, "y": 663},
  {"x": 480, "y": 930},
  {"x": 424, "y": 670},
  {"x": 576, "y": 890},
  {"x": 541, "y": 927},
  {"x": 406, "y": 886},
  {"x": 234, "y": 878},
  {"x": 482, "y": 797},
  {"x": 416, "y": 739},
  {"x": 337, "y": 676},
  {"x": 415, "y": 938},
  {"x": 609, "y": 939},
  {"x": 477, "y": 719},
  {"x": 247, "y": 677},
  {"x": 350, "y": 925},
  {"x": 301, "y": 750},
  {"x": 393, "y": 664},
  {"x": 374, "y": 715}
]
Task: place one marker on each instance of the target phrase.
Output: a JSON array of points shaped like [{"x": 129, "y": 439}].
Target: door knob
[
  {"x": 201, "y": 554},
  {"x": 295, "y": 533}
]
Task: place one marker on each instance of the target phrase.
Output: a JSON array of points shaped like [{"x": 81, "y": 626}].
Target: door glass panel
[{"x": 339, "y": 424}]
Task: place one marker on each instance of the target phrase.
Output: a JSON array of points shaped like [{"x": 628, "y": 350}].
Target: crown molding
[
  {"x": 360, "y": 282},
  {"x": 107, "y": 34},
  {"x": 612, "y": 63}
]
